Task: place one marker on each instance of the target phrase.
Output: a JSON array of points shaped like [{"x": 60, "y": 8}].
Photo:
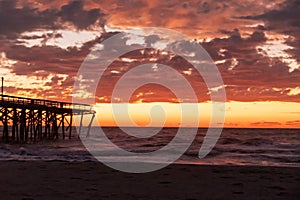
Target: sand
[{"x": 92, "y": 180}]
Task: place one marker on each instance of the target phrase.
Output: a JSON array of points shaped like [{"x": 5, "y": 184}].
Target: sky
[{"x": 255, "y": 46}]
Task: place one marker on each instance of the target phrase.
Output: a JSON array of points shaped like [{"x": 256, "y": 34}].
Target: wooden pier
[{"x": 33, "y": 120}]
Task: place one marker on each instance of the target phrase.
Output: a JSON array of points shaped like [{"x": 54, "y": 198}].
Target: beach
[
  {"x": 244, "y": 164},
  {"x": 93, "y": 180}
]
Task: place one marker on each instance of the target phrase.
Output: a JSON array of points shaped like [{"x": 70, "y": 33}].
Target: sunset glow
[
  {"x": 254, "y": 45},
  {"x": 238, "y": 114}
]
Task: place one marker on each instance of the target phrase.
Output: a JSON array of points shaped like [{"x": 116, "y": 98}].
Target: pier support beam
[
  {"x": 63, "y": 125},
  {"x": 70, "y": 127},
  {"x": 5, "y": 125},
  {"x": 90, "y": 124},
  {"x": 33, "y": 120}
]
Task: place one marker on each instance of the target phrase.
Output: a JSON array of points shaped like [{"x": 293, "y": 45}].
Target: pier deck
[{"x": 37, "y": 119}]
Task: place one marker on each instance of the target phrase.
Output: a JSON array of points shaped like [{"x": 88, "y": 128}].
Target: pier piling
[{"x": 28, "y": 117}]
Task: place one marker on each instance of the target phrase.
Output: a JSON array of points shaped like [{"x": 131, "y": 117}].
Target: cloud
[
  {"x": 82, "y": 19},
  {"x": 286, "y": 17},
  {"x": 251, "y": 78},
  {"x": 44, "y": 36},
  {"x": 232, "y": 32},
  {"x": 295, "y": 123},
  {"x": 285, "y": 20},
  {"x": 15, "y": 19},
  {"x": 44, "y": 71},
  {"x": 265, "y": 124},
  {"x": 198, "y": 19},
  {"x": 51, "y": 59},
  {"x": 153, "y": 92},
  {"x": 249, "y": 75}
]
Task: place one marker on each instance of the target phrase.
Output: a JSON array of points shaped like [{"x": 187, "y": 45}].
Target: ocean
[{"x": 236, "y": 146}]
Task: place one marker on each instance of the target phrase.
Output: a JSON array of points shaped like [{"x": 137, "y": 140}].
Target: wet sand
[{"x": 92, "y": 180}]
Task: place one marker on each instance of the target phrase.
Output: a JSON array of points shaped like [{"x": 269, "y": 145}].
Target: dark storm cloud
[
  {"x": 51, "y": 59},
  {"x": 254, "y": 75},
  {"x": 285, "y": 17},
  {"x": 285, "y": 20},
  {"x": 234, "y": 44},
  {"x": 54, "y": 81},
  {"x": 15, "y": 20},
  {"x": 75, "y": 13},
  {"x": 43, "y": 36}
]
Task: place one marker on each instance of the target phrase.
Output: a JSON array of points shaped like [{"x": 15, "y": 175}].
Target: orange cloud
[{"x": 247, "y": 40}]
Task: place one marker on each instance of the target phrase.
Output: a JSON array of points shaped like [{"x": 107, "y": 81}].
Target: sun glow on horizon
[{"x": 237, "y": 115}]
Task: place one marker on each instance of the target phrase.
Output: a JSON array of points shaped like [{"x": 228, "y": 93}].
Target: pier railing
[
  {"x": 37, "y": 119},
  {"x": 47, "y": 103}
]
